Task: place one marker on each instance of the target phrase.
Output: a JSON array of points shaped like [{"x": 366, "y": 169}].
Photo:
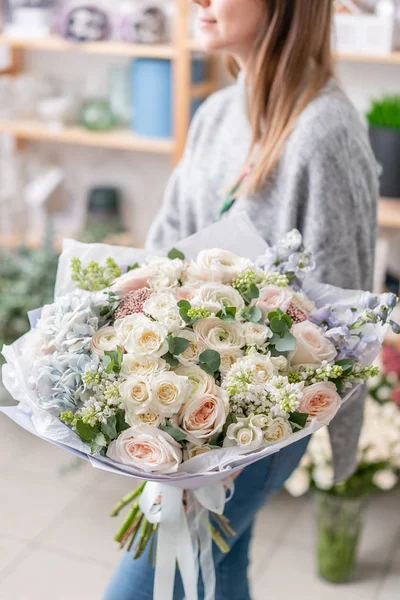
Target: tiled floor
[{"x": 56, "y": 536}]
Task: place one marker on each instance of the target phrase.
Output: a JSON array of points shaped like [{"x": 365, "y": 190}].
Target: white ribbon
[{"x": 182, "y": 535}]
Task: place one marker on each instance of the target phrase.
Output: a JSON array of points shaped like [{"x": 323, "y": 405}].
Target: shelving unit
[{"x": 179, "y": 52}]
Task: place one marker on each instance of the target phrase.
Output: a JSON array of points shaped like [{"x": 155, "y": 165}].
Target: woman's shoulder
[{"x": 329, "y": 121}]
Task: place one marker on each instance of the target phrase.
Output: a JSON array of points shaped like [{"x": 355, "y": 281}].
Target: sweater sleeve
[{"x": 338, "y": 216}]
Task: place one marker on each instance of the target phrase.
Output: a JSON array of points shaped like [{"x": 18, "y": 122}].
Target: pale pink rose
[
  {"x": 146, "y": 448},
  {"x": 133, "y": 280},
  {"x": 312, "y": 347},
  {"x": 320, "y": 401},
  {"x": 202, "y": 416},
  {"x": 271, "y": 298},
  {"x": 185, "y": 293}
]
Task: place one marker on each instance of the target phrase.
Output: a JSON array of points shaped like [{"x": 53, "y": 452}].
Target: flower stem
[
  {"x": 127, "y": 523},
  {"x": 146, "y": 531},
  {"x": 127, "y": 500},
  {"x": 219, "y": 540},
  {"x": 133, "y": 531}
]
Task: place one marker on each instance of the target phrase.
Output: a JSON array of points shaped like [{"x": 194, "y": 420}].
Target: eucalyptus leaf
[
  {"x": 287, "y": 343},
  {"x": 278, "y": 325},
  {"x": 98, "y": 443},
  {"x": 210, "y": 361},
  {"x": 170, "y": 359},
  {"x": 177, "y": 434},
  {"x": 175, "y": 253},
  {"x": 177, "y": 345},
  {"x": 299, "y": 419},
  {"x": 86, "y": 432},
  {"x": 184, "y": 304},
  {"x": 110, "y": 428}
]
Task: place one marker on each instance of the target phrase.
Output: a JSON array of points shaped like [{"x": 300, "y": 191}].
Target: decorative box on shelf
[{"x": 363, "y": 34}]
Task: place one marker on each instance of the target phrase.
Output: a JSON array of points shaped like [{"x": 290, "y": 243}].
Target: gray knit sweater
[{"x": 326, "y": 185}]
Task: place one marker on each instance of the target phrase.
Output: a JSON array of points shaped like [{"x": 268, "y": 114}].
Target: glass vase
[{"x": 340, "y": 522}]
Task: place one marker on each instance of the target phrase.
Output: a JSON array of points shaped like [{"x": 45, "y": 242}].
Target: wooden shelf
[
  {"x": 116, "y": 139},
  {"x": 392, "y": 58},
  {"x": 389, "y": 213},
  {"x": 57, "y": 44}
]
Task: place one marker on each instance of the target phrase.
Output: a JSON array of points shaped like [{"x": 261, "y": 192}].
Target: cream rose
[
  {"x": 218, "y": 266},
  {"x": 159, "y": 305},
  {"x": 133, "y": 280},
  {"x": 191, "y": 355},
  {"x": 261, "y": 366},
  {"x": 135, "y": 394},
  {"x": 104, "y": 340},
  {"x": 244, "y": 433},
  {"x": 202, "y": 416},
  {"x": 141, "y": 336},
  {"x": 142, "y": 365},
  {"x": 215, "y": 296},
  {"x": 185, "y": 293},
  {"x": 312, "y": 347},
  {"x": 168, "y": 392},
  {"x": 228, "y": 359},
  {"x": 193, "y": 451},
  {"x": 166, "y": 273},
  {"x": 256, "y": 334},
  {"x": 278, "y": 429},
  {"x": 147, "y": 449},
  {"x": 218, "y": 335},
  {"x": 320, "y": 401},
  {"x": 271, "y": 298},
  {"x": 202, "y": 383},
  {"x": 147, "y": 418}
]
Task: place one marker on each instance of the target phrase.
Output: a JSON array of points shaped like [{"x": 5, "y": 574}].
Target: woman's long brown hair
[{"x": 291, "y": 63}]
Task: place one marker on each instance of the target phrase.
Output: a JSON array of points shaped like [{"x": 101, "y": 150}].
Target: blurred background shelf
[
  {"x": 119, "y": 139},
  {"x": 57, "y": 44}
]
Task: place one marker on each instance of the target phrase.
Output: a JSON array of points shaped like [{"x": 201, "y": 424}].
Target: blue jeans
[{"x": 133, "y": 579}]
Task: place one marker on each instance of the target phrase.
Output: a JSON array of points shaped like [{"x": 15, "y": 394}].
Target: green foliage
[
  {"x": 178, "y": 435},
  {"x": 210, "y": 361},
  {"x": 253, "y": 314},
  {"x": 177, "y": 345},
  {"x": 191, "y": 315},
  {"x": 175, "y": 253},
  {"x": 280, "y": 324},
  {"x": 27, "y": 279},
  {"x": 298, "y": 420},
  {"x": 94, "y": 277},
  {"x": 227, "y": 314},
  {"x": 385, "y": 112},
  {"x": 252, "y": 293},
  {"x": 114, "y": 360}
]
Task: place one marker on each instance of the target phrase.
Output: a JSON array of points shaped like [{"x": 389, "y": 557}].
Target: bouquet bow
[{"x": 183, "y": 534}]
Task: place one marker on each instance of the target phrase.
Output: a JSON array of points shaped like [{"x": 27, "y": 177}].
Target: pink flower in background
[
  {"x": 185, "y": 293},
  {"x": 390, "y": 359}
]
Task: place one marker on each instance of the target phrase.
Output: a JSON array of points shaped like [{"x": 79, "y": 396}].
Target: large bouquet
[{"x": 188, "y": 367}]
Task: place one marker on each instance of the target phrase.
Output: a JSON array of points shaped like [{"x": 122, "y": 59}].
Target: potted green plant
[
  {"x": 384, "y": 132},
  {"x": 341, "y": 507}
]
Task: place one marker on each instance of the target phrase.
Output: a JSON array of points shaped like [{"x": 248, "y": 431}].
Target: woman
[{"x": 294, "y": 151}]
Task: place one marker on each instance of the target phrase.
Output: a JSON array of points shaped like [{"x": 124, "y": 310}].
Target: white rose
[
  {"x": 280, "y": 362},
  {"x": 135, "y": 394},
  {"x": 271, "y": 298},
  {"x": 260, "y": 421},
  {"x": 173, "y": 323},
  {"x": 229, "y": 358},
  {"x": 142, "y": 365},
  {"x": 219, "y": 266},
  {"x": 262, "y": 368},
  {"x": 215, "y": 296},
  {"x": 218, "y": 335},
  {"x": 168, "y": 392},
  {"x": 104, "y": 340},
  {"x": 385, "y": 479},
  {"x": 202, "y": 416},
  {"x": 166, "y": 273},
  {"x": 148, "y": 449},
  {"x": 244, "y": 433},
  {"x": 202, "y": 383},
  {"x": 323, "y": 476},
  {"x": 160, "y": 305},
  {"x": 312, "y": 347},
  {"x": 298, "y": 483},
  {"x": 191, "y": 355},
  {"x": 146, "y": 418},
  {"x": 278, "y": 429},
  {"x": 256, "y": 334},
  {"x": 141, "y": 336}
]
